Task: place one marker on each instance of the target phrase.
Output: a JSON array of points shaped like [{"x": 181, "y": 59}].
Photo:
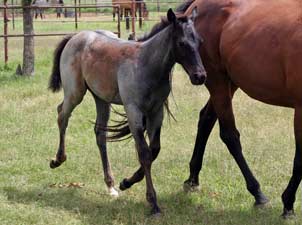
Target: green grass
[{"x": 29, "y": 138}]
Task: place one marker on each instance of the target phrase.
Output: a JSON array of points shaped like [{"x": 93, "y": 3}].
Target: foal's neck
[{"x": 157, "y": 54}]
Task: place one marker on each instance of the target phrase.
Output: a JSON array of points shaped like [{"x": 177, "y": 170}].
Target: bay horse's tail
[{"x": 55, "y": 77}]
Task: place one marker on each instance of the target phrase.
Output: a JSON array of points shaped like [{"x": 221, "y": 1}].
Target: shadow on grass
[{"x": 178, "y": 208}]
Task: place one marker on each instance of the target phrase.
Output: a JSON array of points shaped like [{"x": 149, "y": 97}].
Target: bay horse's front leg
[
  {"x": 289, "y": 195},
  {"x": 103, "y": 113},
  {"x": 207, "y": 119},
  {"x": 136, "y": 123},
  {"x": 153, "y": 123},
  {"x": 222, "y": 102}
]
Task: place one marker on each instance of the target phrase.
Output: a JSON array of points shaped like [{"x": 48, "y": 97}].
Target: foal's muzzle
[{"x": 198, "y": 78}]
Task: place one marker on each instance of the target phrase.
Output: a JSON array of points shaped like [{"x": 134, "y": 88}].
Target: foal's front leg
[
  {"x": 154, "y": 123},
  {"x": 136, "y": 124},
  {"x": 103, "y": 112}
]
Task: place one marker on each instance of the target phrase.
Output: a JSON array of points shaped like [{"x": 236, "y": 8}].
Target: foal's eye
[{"x": 181, "y": 43}]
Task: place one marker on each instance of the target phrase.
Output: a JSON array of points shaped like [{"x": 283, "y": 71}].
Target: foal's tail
[
  {"x": 55, "y": 78},
  {"x": 121, "y": 130}
]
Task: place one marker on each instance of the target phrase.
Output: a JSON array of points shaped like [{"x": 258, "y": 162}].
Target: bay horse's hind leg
[
  {"x": 64, "y": 112},
  {"x": 103, "y": 112},
  {"x": 153, "y": 131},
  {"x": 289, "y": 195},
  {"x": 222, "y": 102}
]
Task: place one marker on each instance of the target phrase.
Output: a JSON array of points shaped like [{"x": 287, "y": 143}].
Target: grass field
[{"x": 32, "y": 193}]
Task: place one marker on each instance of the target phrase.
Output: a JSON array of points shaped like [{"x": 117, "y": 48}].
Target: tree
[{"x": 28, "y": 44}]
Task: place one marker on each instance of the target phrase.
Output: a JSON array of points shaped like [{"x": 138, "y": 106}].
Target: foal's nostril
[{"x": 199, "y": 78}]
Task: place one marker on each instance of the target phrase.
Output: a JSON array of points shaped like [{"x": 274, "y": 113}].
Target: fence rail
[
  {"x": 77, "y": 14},
  {"x": 5, "y": 35}
]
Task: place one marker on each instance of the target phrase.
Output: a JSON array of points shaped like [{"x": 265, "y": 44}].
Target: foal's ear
[
  {"x": 194, "y": 14},
  {"x": 171, "y": 16}
]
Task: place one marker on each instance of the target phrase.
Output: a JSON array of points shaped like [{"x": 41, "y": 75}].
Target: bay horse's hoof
[
  {"x": 261, "y": 201},
  {"x": 288, "y": 214},
  {"x": 113, "y": 192},
  {"x": 190, "y": 186},
  {"x": 54, "y": 163},
  {"x": 125, "y": 185}
]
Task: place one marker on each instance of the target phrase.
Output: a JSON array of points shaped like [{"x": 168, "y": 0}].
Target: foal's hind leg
[
  {"x": 222, "y": 102},
  {"x": 153, "y": 131},
  {"x": 289, "y": 195},
  {"x": 64, "y": 112},
  {"x": 103, "y": 111}
]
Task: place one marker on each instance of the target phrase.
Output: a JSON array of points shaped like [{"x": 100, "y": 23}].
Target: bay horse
[
  {"x": 254, "y": 45},
  {"x": 135, "y": 75},
  {"x": 126, "y": 8}
]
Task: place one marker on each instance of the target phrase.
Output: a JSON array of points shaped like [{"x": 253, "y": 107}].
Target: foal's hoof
[
  {"x": 288, "y": 214},
  {"x": 113, "y": 192},
  {"x": 54, "y": 163},
  {"x": 190, "y": 186},
  {"x": 261, "y": 201},
  {"x": 125, "y": 185}
]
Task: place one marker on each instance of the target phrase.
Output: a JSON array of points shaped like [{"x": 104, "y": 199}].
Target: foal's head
[{"x": 186, "y": 46}]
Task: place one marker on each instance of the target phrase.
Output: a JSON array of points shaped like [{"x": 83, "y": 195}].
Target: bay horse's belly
[{"x": 260, "y": 52}]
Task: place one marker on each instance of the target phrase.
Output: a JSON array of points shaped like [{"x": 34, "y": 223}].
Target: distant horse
[
  {"x": 126, "y": 8},
  {"x": 136, "y": 75},
  {"x": 39, "y": 11},
  {"x": 254, "y": 45}
]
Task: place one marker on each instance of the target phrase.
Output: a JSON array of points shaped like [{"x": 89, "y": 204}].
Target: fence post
[
  {"x": 13, "y": 15},
  {"x": 133, "y": 18},
  {"x": 5, "y": 20},
  {"x": 80, "y": 9},
  {"x": 75, "y": 14},
  {"x": 140, "y": 14},
  {"x": 118, "y": 21}
]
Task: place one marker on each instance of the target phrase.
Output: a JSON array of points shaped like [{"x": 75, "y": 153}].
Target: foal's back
[{"x": 93, "y": 58}]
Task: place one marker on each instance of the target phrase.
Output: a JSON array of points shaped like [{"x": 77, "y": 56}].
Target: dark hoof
[
  {"x": 190, "y": 186},
  {"x": 124, "y": 185},
  {"x": 261, "y": 201},
  {"x": 288, "y": 214},
  {"x": 156, "y": 212},
  {"x": 56, "y": 163}
]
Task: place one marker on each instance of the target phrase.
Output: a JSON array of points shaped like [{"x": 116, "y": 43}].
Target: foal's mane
[
  {"x": 155, "y": 29},
  {"x": 164, "y": 22}
]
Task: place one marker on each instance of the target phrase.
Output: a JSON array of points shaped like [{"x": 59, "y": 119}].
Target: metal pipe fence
[
  {"x": 6, "y": 7},
  {"x": 135, "y": 5}
]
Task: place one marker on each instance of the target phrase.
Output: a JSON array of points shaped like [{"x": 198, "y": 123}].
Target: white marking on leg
[{"x": 113, "y": 192}]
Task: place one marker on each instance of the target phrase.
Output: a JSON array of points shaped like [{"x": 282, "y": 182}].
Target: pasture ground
[{"x": 32, "y": 193}]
